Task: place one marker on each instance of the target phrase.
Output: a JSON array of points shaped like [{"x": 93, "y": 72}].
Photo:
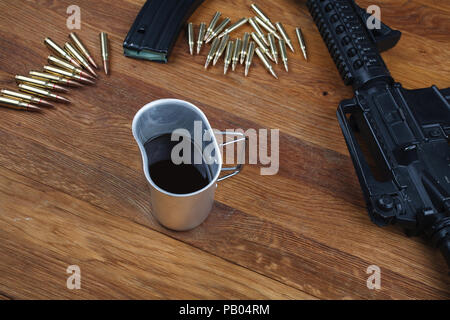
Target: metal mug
[{"x": 180, "y": 212}]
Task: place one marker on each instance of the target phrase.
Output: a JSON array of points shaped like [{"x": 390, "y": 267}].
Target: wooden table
[{"x": 72, "y": 190}]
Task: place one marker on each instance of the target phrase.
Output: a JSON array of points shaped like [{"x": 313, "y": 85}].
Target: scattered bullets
[
  {"x": 191, "y": 38},
  {"x": 262, "y": 16},
  {"x": 228, "y": 56},
  {"x": 266, "y": 62},
  {"x": 201, "y": 35},
  {"x": 258, "y": 30},
  {"x": 219, "y": 29},
  {"x": 284, "y": 56},
  {"x": 18, "y": 105},
  {"x": 68, "y": 74},
  {"x": 55, "y": 79},
  {"x": 267, "y": 27},
  {"x": 234, "y": 26},
  {"x": 62, "y": 64},
  {"x": 284, "y": 35},
  {"x": 301, "y": 41},
  {"x": 222, "y": 47},
  {"x": 212, "y": 52},
  {"x": 74, "y": 53},
  {"x": 26, "y": 97},
  {"x": 42, "y": 93},
  {"x": 236, "y": 53},
  {"x": 105, "y": 51},
  {"x": 40, "y": 83},
  {"x": 263, "y": 47},
  {"x": 82, "y": 49},
  {"x": 59, "y": 51},
  {"x": 212, "y": 25},
  {"x": 245, "y": 42},
  {"x": 249, "y": 57},
  {"x": 273, "y": 47}
]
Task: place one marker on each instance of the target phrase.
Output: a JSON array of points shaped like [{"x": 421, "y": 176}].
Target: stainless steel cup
[{"x": 181, "y": 212}]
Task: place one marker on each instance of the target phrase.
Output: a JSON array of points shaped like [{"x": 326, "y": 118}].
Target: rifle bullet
[
  {"x": 263, "y": 47},
  {"x": 236, "y": 53},
  {"x": 262, "y": 16},
  {"x": 74, "y": 53},
  {"x": 40, "y": 83},
  {"x": 26, "y": 98},
  {"x": 228, "y": 56},
  {"x": 234, "y": 26},
  {"x": 249, "y": 57},
  {"x": 301, "y": 41},
  {"x": 245, "y": 43},
  {"x": 201, "y": 35},
  {"x": 258, "y": 30},
  {"x": 273, "y": 47},
  {"x": 267, "y": 27},
  {"x": 59, "y": 51},
  {"x": 82, "y": 49},
  {"x": 219, "y": 29},
  {"x": 42, "y": 93},
  {"x": 18, "y": 105},
  {"x": 222, "y": 47},
  {"x": 68, "y": 74},
  {"x": 191, "y": 38},
  {"x": 266, "y": 62},
  {"x": 284, "y": 56},
  {"x": 212, "y": 25},
  {"x": 212, "y": 52},
  {"x": 62, "y": 64},
  {"x": 284, "y": 35},
  {"x": 55, "y": 79},
  {"x": 105, "y": 51}
]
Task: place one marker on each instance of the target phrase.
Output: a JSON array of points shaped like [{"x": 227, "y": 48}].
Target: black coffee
[{"x": 173, "y": 178}]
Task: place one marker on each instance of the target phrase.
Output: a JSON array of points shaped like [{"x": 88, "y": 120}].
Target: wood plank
[{"x": 118, "y": 258}]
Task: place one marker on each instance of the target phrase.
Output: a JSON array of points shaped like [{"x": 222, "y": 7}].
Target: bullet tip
[
  {"x": 60, "y": 89},
  {"x": 87, "y": 75},
  {"x": 273, "y": 73},
  {"x": 106, "y": 66},
  {"x": 87, "y": 81},
  {"x": 91, "y": 60},
  {"x": 46, "y": 103},
  {"x": 291, "y": 47},
  {"x": 74, "y": 84},
  {"x": 33, "y": 108},
  {"x": 75, "y": 63}
]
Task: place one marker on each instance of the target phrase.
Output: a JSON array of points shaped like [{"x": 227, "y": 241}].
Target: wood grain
[{"x": 304, "y": 233}]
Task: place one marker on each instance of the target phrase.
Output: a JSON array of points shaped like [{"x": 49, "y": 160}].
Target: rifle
[{"x": 407, "y": 131}]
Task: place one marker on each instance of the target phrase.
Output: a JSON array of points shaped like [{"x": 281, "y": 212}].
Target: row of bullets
[
  {"x": 243, "y": 50},
  {"x": 72, "y": 66}
]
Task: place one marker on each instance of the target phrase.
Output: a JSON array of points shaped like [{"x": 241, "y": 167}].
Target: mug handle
[{"x": 237, "y": 169}]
